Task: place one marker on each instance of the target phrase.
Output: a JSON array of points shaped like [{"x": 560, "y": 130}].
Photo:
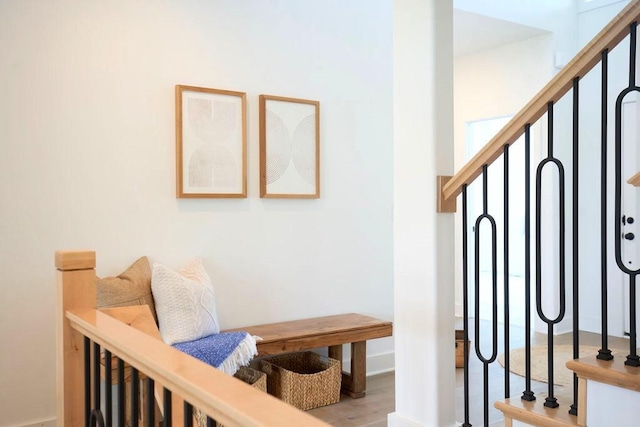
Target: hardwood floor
[{"x": 372, "y": 410}]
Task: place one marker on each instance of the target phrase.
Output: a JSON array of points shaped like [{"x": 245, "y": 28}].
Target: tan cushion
[{"x": 132, "y": 287}]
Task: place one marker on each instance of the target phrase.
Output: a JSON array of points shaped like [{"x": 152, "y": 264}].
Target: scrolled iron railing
[{"x": 566, "y": 85}]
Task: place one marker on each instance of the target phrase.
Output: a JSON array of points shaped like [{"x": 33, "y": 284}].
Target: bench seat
[{"x": 328, "y": 331}]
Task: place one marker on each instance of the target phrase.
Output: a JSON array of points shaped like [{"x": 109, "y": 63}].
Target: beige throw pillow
[{"x": 132, "y": 287}]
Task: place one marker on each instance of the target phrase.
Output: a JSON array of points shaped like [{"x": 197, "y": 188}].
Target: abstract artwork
[
  {"x": 289, "y": 147},
  {"x": 210, "y": 143}
]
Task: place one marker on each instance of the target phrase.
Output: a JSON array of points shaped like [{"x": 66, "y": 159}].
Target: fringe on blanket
[{"x": 241, "y": 356}]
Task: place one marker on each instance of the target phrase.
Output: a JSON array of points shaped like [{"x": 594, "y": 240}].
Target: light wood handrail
[
  {"x": 222, "y": 397},
  {"x": 584, "y": 61}
]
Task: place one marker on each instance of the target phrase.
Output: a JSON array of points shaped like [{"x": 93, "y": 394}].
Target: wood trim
[
  {"x": 582, "y": 402},
  {"x": 584, "y": 61},
  {"x": 75, "y": 260},
  {"x": 535, "y": 413},
  {"x": 75, "y": 288},
  {"x": 634, "y": 180},
  {"x": 613, "y": 372},
  {"x": 445, "y": 206},
  {"x": 224, "y": 398}
]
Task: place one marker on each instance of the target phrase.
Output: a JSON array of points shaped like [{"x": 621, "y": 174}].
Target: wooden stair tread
[
  {"x": 613, "y": 372},
  {"x": 634, "y": 180},
  {"x": 535, "y": 413}
]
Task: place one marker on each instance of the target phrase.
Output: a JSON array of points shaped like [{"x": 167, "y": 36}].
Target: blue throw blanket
[{"x": 227, "y": 351}]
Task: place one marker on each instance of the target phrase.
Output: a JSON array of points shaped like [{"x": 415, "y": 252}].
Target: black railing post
[
  {"x": 507, "y": 386},
  {"x": 135, "y": 396},
  {"x": 150, "y": 409},
  {"x": 95, "y": 418},
  {"x": 494, "y": 291},
  {"x": 108, "y": 401},
  {"x": 575, "y": 235},
  {"x": 122, "y": 410},
  {"x": 188, "y": 414},
  {"x": 550, "y": 401},
  {"x": 166, "y": 402},
  {"x": 87, "y": 381},
  {"x": 465, "y": 303},
  {"x": 527, "y": 394},
  {"x": 604, "y": 353}
]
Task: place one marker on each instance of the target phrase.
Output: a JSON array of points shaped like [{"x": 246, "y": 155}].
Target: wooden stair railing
[
  {"x": 220, "y": 396},
  {"x": 584, "y": 61}
]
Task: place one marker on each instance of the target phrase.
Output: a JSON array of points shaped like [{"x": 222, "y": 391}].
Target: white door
[{"x": 629, "y": 227}]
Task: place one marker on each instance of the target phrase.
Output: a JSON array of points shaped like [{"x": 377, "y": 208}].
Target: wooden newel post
[{"x": 76, "y": 289}]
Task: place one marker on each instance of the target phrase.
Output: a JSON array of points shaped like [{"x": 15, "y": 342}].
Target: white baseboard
[
  {"x": 396, "y": 420},
  {"x": 376, "y": 363},
  {"x": 45, "y": 423},
  {"x": 381, "y": 363},
  {"x": 458, "y": 310}
]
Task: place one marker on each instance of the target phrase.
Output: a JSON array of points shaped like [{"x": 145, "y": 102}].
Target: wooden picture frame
[
  {"x": 211, "y": 143},
  {"x": 289, "y": 148}
]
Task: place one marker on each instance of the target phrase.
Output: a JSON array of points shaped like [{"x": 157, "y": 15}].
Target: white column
[{"x": 423, "y": 239}]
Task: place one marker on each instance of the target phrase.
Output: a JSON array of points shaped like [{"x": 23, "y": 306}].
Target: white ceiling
[{"x": 473, "y": 32}]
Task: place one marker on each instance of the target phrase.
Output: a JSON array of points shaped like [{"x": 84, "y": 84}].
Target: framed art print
[
  {"x": 289, "y": 147},
  {"x": 211, "y": 143}
]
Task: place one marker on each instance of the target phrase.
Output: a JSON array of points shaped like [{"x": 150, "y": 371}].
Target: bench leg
[{"x": 355, "y": 384}]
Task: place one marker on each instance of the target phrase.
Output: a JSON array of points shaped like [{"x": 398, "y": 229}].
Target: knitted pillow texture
[
  {"x": 132, "y": 287},
  {"x": 185, "y": 302}
]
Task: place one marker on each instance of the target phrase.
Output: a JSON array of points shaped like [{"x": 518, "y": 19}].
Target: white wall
[
  {"x": 495, "y": 83},
  {"x": 555, "y": 16},
  {"x": 87, "y": 134}
]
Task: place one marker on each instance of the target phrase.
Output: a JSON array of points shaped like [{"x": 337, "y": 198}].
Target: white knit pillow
[{"x": 185, "y": 302}]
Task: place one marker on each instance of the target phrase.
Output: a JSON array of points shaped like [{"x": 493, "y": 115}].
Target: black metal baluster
[
  {"x": 96, "y": 376},
  {"x": 108, "y": 400},
  {"x": 87, "y": 381},
  {"x": 150, "y": 402},
  {"x": 465, "y": 304},
  {"x": 604, "y": 353},
  {"x": 632, "y": 358},
  {"x": 135, "y": 396},
  {"x": 507, "y": 386},
  {"x": 188, "y": 414},
  {"x": 210, "y": 422},
  {"x": 96, "y": 419},
  {"x": 494, "y": 288},
  {"x": 632, "y": 54},
  {"x": 550, "y": 401},
  {"x": 166, "y": 397},
  {"x": 527, "y": 394},
  {"x": 576, "y": 307},
  {"x": 122, "y": 410}
]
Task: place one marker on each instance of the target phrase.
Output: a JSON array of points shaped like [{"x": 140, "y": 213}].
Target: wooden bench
[{"x": 331, "y": 332}]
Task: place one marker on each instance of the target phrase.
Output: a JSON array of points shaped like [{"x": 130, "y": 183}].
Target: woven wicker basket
[
  {"x": 305, "y": 380},
  {"x": 255, "y": 379}
]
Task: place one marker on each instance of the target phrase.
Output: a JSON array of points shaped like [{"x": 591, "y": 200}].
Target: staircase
[
  {"x": 606, "y": 389},
  {"x": 608, "y": 395}
]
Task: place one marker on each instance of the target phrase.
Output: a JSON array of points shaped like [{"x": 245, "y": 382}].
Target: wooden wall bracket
[{"x": 445, "y": 206}]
